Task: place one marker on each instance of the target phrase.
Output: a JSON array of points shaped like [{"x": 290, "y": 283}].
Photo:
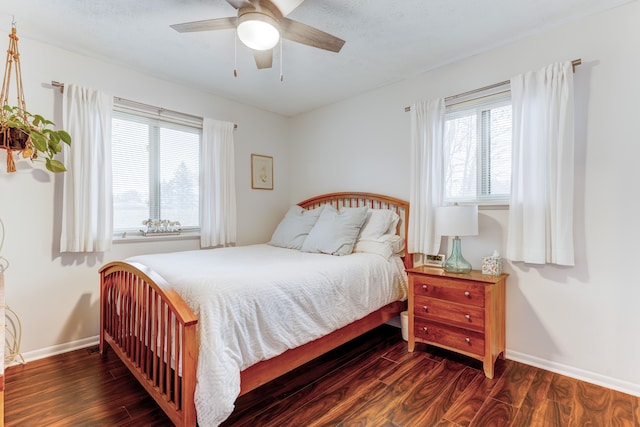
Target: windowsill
[
  {"x": 138, "y": 237},
  {"x": 493, "y": 206},
  {"x": 486, "y": 205}
]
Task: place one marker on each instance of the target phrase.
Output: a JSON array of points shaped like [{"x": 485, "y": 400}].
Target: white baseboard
[
  {"x": 395, "y": 321},
  {"x": 56, "y": 349},
  {"x": 580, "y": 374}
]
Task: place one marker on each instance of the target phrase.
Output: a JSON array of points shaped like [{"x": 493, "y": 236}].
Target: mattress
[{"x": 255, "y": 302}]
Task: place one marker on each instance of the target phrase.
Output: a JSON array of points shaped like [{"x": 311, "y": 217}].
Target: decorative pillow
[
  {"x": 294, "y": 227},
  {"x": 378, "y": 223},
  {"x": 336, "y": 231},
  {"x": 386, "y": 246}
]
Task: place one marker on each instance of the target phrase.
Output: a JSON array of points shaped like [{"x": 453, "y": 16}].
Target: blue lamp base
[{"x": 456, "y": 262}]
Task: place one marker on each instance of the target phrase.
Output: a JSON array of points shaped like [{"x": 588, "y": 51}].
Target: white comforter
[{"x": 255, "y": 302}]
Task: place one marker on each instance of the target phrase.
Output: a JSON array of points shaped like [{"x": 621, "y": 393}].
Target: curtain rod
[
  {"x": 574, "y": 64},
  {"x": 116, "y": 98}
]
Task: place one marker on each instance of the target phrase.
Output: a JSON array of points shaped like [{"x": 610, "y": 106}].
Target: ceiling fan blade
[
  {"x": 286, "y": 6},
  {"x": 302, "y": 33},
  {"x": 264, "y": 58},
  {"x": 237, "y": 4},
  {"x": 206, "y": 25}
]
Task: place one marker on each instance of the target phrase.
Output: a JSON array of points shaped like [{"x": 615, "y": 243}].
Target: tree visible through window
[
  {"x": 156, "y": 167},
  {"x": 477, "y": 150}
]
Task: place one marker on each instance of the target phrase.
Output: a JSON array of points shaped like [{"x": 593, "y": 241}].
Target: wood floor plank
[
  {"x": 562, "y": 389},
  {"x": 513, "y": 385},
  {"x": 337, "y": 399},
  {"x": 494, "y": 413},
  {"x": 622, "y": 410},
  {"x": 400, "y": 384},
  {"x": 422, "y": 394},
  {"x": 591, "y": 405},
  {"x": 357, "y": 412},
  {"x": 534, "y": 404},
  {"x": 431, "y": 398},
  {"x": 435, "y": 412},
  {"x": 373, "y": 381},
  {"x": 538, "y": 409},
  {"x": 446, "y": 423},
  {"x": 468, "y": 404}
]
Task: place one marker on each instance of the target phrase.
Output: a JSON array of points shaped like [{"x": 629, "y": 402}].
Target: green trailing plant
[{"x": 33, "y": 136}]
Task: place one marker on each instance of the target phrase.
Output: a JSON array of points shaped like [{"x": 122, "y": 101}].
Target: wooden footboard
[
  {"x": 150, "y": 327},
  {"x": 153, "y": 331}
]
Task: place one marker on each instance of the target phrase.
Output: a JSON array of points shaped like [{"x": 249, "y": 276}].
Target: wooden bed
[{"x": 139, "y": 308}]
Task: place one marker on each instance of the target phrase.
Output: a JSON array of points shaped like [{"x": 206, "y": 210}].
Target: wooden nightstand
[{"x": 464, "y": 313}]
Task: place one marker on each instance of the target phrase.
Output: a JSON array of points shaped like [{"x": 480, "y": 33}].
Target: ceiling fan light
[{"x": 258, "y": 31}]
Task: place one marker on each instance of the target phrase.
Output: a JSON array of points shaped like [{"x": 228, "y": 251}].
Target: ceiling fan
[{"x": 261, "y": 23}]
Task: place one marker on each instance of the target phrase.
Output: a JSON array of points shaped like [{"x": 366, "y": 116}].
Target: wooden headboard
[{"x": 371, "y": 200}]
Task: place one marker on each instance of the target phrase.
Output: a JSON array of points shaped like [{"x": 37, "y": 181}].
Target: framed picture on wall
[{"x": 261, "y": 172}]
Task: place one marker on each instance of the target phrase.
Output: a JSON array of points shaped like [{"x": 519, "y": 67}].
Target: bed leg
[{"x": 101, "y": 346}]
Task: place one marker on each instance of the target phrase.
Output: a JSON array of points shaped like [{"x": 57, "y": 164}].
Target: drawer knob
[
  {"x": 467, "y": 293},
  {"x": 425, "y": 329},
  {"x": 425, "y": 308},
  {"x": 468, "y": 317},
  {"x": 468, "y": 340},
  {"x": 425, "y": 287}
]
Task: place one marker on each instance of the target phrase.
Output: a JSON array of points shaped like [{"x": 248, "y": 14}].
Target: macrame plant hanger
[{"x": 12, "y": 139}]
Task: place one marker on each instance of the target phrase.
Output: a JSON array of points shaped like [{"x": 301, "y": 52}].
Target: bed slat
[{"x": 154, "y": 333}]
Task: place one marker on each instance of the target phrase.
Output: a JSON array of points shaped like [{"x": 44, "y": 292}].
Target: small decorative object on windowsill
[
  {"x": 31, "y": 135},
  {"x": 457, "y": 221},
  {"x": 160, "y": 227}
]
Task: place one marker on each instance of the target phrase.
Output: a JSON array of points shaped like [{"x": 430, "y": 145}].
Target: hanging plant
[{"x": 31, "y": 135}]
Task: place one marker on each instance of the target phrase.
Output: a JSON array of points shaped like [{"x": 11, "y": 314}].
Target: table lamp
[{"x": 456, "y": 221}]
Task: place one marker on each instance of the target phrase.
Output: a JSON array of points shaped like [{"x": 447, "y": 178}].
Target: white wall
[
  {"x": 56, "y": 296},
  {"x": 582, "y": 321}
]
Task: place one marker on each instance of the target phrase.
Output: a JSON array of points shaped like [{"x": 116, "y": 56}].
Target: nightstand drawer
[
  {"x": 463, "y": 292},
  {"x": 449, "y": 336},
  {"x": 462, "y": 315}
]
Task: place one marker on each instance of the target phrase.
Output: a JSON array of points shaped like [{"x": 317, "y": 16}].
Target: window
[
  {"x": 477, "y": 149},
  {"x": 156, "y": 168}
]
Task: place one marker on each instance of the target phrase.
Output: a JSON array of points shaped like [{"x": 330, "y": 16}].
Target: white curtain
[
  {"x": 427, "y": 130},
  {"x": 218, "y": 201},
  {"x": 541, "y": 206},
  {"x": 87, "y": 220}
]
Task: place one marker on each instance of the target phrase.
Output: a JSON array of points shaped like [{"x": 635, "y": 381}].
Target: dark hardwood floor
[{"x": 372, "y": 381}]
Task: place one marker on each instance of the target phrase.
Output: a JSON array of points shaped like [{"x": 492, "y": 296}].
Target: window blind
[
  {"x": 477, "y": 149},
  {"x": 156, "y": 166}
]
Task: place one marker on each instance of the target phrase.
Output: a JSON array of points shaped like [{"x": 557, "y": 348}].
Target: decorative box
[{"x": 492, "y": 265}]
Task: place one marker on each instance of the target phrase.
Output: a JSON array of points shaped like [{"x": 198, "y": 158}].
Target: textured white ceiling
[{"x": 386, "y": 41}]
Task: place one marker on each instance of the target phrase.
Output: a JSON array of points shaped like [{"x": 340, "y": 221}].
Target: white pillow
[
  {"x": 378, "y": 223},
  {"x": 386, "y": 246},
  {"x": 294, "y": 227},
  {"x": 336, "y": 231}
]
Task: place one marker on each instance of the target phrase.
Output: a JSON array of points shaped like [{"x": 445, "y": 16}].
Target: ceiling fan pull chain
[
  {"x": 235, "y": 55},
  {"x": 281, "y": 75}
]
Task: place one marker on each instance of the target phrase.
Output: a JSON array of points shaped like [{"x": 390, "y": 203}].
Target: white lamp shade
[
  {"x": 258, "y": 31},
  {"x": 457, "y": 220}
]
